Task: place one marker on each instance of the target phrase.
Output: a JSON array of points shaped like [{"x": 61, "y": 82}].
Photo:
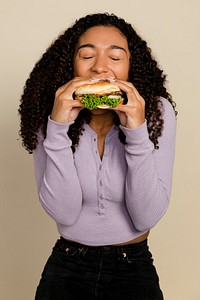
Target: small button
[
  {"x": 100, "y": 167},
  {"x": 100, "y": 183},
  {"x": 101, "y": 197},
  {"x": 102, "y": 206}
]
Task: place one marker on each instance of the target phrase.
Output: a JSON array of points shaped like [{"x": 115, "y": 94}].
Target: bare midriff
[{"x": 136, "y": 240}]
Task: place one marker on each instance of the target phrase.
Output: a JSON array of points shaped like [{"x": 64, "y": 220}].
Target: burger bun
[{"x": 102, "y": 87}]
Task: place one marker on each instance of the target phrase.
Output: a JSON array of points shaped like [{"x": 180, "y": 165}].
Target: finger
[
  {"x": 76, "y": 103},
  {"x": 69, "y": 88},
  {"x": 128, "y": 88},
  {"x": 120, "y": 107},
  {"x": 69, "y": 104}
]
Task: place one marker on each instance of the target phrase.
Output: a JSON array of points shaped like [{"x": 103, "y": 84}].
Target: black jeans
[{"x": 75, "y": 271}]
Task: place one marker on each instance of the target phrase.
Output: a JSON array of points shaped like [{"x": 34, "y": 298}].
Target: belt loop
[{"x": 120, "y": 252}]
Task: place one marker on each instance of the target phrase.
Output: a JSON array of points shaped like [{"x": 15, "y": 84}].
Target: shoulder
[
  {"x": 168, "y": 112},
  {"x": 167, "y": 109},
  {"x": 169, "y": 118}
]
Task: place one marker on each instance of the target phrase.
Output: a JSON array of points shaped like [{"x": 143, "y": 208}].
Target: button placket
[
  {"x": 101, "y": 203},
  {"x": 94, "y": 144}
]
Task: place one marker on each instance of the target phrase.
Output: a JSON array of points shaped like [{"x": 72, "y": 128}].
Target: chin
[{"x": 100, "y": 111}]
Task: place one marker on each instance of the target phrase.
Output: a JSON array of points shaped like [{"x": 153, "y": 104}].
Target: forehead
[{"x": 106, "y": 35}]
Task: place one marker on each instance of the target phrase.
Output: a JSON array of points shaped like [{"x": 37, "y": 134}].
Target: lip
[
  {"x": 111, "y": 79},
  {"x": 95, "y": 79}
]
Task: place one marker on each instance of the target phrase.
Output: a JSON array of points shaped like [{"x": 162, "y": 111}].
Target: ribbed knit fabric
[{"x": 108, "y": 201}]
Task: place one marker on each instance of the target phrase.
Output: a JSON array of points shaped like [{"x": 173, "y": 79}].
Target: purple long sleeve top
[{"x": 110, "y": 200}]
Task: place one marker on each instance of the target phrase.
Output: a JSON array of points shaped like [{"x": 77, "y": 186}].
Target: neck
[{"x": 101, "y": 123}]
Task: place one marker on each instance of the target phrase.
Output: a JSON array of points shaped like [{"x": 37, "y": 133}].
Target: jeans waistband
[{"x": 130, "y": 248}]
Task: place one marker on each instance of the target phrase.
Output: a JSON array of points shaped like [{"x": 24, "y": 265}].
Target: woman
[{"x": 104, "y": 175}]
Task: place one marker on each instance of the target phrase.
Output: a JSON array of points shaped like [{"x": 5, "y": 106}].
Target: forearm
[
  {"x": 147, "y": 197},
  {"x": 57, "y": 181},
  {"x": 149, "y": 176}
]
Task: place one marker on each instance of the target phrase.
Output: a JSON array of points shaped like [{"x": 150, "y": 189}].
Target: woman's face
[{"x": 102, "y": 52}]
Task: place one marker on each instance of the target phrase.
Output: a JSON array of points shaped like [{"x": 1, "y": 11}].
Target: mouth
[{"x": 96, "y": 79}]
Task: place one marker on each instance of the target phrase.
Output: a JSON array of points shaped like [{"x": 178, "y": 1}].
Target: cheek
[
  {"x": 81, "y": 70},
  {"x": 77, "y": 70},
  {"x": 122, "y": 72}
]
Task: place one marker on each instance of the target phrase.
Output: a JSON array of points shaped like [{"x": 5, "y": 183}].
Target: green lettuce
[{"x": 91, "y": 102}]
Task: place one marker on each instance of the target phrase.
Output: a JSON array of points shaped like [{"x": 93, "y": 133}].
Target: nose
[{"x": 100, "y": 65}]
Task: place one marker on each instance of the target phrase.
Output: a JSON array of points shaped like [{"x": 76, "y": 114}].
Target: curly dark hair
[{"x": 55, "y": 68}]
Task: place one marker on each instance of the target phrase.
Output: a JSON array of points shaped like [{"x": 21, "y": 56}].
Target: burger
[{"x": 102, "y": 94}]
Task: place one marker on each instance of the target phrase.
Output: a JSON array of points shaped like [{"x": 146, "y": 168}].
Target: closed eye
[
  {"x": 115, "y": 58},
  {"x": 87, "y": 57}
]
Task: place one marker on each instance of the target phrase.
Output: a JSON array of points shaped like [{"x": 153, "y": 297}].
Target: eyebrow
[
  {"x": 93, "y": 47},
  {"x": 117, "y": 47}
]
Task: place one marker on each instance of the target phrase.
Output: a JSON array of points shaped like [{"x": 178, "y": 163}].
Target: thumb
[{"x": 122, "y": 117}]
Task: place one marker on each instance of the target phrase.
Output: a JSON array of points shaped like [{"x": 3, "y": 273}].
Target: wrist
[{"x": 134, "y": 124}]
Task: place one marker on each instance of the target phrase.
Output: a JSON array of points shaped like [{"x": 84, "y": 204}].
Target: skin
[{"x": 102, "y": 53}]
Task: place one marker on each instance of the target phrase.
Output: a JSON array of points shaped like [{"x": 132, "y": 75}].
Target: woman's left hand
[{"x": 132, "y": 114}]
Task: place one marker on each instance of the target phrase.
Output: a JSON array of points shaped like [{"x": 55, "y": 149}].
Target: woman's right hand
[{"x": 65, "y": 108}]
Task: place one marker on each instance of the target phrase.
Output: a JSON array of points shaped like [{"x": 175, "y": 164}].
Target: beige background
[{"x": 172, "y": 29}]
